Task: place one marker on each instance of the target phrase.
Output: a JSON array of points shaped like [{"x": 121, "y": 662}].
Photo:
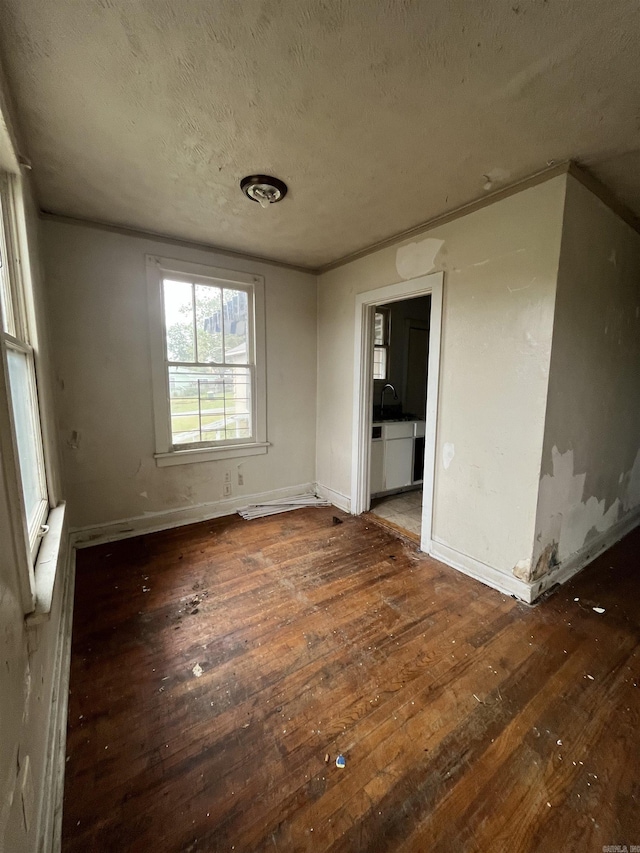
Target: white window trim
[
  {"x": 166, "y": 454},
  {"x": 37, "y": 551}
]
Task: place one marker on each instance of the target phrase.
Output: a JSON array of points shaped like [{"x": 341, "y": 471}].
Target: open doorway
[
  {"x": 399, "y": 375},
  {"x": 402, "y": 462}
]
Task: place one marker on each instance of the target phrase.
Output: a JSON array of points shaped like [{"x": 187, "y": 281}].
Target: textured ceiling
[{"x": 379, "y": 115}]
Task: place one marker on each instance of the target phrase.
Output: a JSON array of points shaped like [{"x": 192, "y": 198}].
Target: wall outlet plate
[{"x": 226, "y": 491}]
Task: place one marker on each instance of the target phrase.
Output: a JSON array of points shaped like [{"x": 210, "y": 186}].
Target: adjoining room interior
[
  {"x": 319, "y": 426},
  {"x": 400, "y": 368}
]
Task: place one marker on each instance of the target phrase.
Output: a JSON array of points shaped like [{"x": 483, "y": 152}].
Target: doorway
[{"x": 421, "y": 343}]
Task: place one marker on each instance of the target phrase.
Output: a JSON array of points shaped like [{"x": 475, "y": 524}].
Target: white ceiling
[{"x": 379, "y": 115}]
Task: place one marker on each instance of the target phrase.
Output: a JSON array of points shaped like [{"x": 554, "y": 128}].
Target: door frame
[{"x": 433, "y": 285}]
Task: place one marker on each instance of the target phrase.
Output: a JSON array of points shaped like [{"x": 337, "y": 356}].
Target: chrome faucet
[{"x": 395, "y": 397}]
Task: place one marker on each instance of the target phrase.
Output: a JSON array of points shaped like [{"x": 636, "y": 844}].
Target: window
[
  {"x": 20, "y": 373},
  {"x": 208, "y": 361},
  {"x": 380, "y": 343}
]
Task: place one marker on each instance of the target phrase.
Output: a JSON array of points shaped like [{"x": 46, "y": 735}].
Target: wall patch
[
  {"x": 448, "y": 452},
  {"x": 417, "y": 258}
]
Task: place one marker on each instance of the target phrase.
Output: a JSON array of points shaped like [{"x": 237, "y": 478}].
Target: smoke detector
[{"x": 264, "y": 189}]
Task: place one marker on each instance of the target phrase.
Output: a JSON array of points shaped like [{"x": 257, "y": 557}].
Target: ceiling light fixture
[{"x": 263, "y": 189}]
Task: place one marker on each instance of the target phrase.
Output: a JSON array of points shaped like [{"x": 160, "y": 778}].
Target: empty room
[{"x": 319, "y": 426}]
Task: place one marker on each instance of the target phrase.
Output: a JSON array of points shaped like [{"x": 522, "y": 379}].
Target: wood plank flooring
[{"x": 214, "y": 667}]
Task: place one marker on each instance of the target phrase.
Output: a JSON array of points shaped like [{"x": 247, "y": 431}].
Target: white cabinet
[
  {"x": 377, "y": 466},
  {"x": 398, "y": 463},
  {"x": 402, "y": 429},
  {"x": 393, "y": 455}
]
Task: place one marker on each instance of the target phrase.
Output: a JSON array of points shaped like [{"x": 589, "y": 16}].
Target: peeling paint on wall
[
  {"x": 417, "y": 258},
  {"x": 631, "y": 496},
  {"x": 567, "y": 518}
]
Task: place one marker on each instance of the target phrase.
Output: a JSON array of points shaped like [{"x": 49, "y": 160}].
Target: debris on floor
[
  {"x": 197, "y": 670},
  {"x": 598, "y": 609},
  {"x": 282, "y": 505},
  {"x": 341, "y": 762}
]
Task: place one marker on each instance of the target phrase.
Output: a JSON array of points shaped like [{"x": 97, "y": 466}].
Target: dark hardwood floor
[{"x": 216, "y": 666}]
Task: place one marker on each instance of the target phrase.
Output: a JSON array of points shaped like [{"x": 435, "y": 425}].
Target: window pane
[
  {"x": 8, "y": 322},
  {"x": 236, "y": 327},
  {"x": 379, "y": 329},
  {"x": 210, "y": 404},
  {"x": 178, "y": 318},
  {"x": 380, "y": 363},
  {"x": 23, "y": 400},
  {"x": 209, "y": 322}
]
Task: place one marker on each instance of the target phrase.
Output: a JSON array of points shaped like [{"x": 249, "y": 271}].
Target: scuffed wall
[
  {"x": 500, "y": 265},
  {"x": 590, "y": 479},
  {"x": 97, "y": 291}
]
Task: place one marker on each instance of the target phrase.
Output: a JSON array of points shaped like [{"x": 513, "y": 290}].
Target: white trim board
[
  {"x": 152, "y": 522},
  {"x": 531, "y": 592},
  {"x": 587, "y": 554},
  {"x": 50, "y": 815},
  {"x": 507, "y": 584},
  {"x": 337, "y": 499},
  {"x": 433, "y": 285}
]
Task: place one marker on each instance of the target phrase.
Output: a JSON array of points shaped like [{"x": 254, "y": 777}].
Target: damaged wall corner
[{"x": 589, "y": 491}]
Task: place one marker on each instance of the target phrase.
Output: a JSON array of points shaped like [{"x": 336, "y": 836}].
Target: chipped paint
[
  {"x": 417, "y": 258},
  {"x": 522, "y": 569},
  {"x": 567, "y": 518},
  {"x": 547, "y": 561},
  {"x": 495, "y": 176},
  {"x": 631, "y": 494}
]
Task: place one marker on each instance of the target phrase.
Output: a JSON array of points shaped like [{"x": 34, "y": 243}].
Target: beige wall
[
  {"x": 98, "y": 305},
  {"x": 500, "y": 265},
  {"x": 590, "y": 481},
  {"x": 28, "y": 653}
]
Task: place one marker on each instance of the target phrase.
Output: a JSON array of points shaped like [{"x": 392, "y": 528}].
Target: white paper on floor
[{"x": 281, "y": 505}]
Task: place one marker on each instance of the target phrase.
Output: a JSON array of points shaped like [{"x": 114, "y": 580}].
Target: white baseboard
[
  {"x": 530, "y": 592},
  {"x": 151, "y": 522},
  {"x": 336, "y": 498},
  {"x": 587, "y": 554},
  {"x": 50, "y": 819},
  {"x": 507, "y": 584}
]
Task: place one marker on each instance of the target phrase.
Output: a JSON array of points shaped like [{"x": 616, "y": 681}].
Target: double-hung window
[
  {"x": 207, "y": 338},
  {"x": 381, "y": 323},
  {"x": 25, "y": 443}
]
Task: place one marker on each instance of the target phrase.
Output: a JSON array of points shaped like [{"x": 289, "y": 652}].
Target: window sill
[
  {"x": 209, "y": 454},
  {"x": 46, "y": 568}
]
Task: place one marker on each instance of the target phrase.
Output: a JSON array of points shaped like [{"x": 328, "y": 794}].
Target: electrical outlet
[
  {"x": 240, "y": 478},
  {"x": 227, "y": 477},
  {"x": 226, "y": 491}
]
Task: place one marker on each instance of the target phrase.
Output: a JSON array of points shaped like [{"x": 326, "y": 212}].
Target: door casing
[{"x": 432, "y": 284}]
